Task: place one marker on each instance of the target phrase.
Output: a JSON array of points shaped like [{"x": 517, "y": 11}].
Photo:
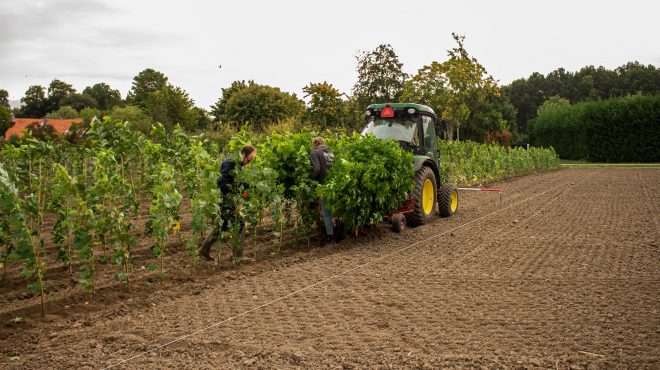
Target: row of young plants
[
  {"x": 470, "y": 163},
  {"x": 82, "y": 205},
  {"x": 88, "y": 199}
]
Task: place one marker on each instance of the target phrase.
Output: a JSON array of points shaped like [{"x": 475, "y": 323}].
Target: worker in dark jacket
[
  {"x": 228, "y": 209},
  {"x": 321, "y": 159}
]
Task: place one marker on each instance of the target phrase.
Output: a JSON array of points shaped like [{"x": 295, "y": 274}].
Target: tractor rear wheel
[
  {"x": 425, "y": 197},
  {"x": 448, "y": 200}
]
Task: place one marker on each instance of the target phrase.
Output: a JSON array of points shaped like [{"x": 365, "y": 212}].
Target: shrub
[
  {"x": 220, "y": 135},
  {"x": 65, "y": 112},
  {"x": 139, "y": 120}
]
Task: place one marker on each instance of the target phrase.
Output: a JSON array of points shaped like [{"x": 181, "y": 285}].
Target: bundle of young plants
[
  {"x": 369, "y": 179},
  {"x": 283, "y": 173}
]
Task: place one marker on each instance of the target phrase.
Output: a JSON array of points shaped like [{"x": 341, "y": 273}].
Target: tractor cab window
[
  {"x": 429, "y": 134},
  {"x": 402, "y": 129}
]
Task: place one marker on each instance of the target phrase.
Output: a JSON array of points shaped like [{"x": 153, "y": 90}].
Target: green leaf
[
  {"x": 34, "y": 287},
  {"x": 122, "y": 276}
]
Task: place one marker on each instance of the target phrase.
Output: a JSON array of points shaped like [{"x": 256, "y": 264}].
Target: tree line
[
  {"x": 457, "y": 87},
  {"x": 561, "y": 87}
]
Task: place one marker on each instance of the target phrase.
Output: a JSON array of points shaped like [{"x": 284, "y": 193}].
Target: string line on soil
[{"x": 340, "y": 274}]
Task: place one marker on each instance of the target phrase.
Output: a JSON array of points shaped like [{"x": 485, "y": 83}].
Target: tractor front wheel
[
  {"x": 448, "y": 200},
  {"x": 425, "y": 197}
]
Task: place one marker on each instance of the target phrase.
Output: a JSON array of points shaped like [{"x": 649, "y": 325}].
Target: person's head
[
  {"x": 317, "y": 142},
  {"x": 247, "y": 154}
]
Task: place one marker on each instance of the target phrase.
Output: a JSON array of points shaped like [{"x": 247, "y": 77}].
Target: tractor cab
[{"x": 412, "y": 125}]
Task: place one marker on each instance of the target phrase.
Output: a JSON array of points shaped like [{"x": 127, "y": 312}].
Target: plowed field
[{"x": 562, "y": 272}]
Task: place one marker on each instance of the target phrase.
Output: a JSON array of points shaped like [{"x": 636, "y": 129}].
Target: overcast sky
[{"x": 290, "y": 43}]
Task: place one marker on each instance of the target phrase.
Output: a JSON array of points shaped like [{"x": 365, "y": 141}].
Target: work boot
[
  {"x": 340, "y": 231},
  {"x": 205, "y": 249},
  {"x": 204, "y": 252},
  {"x": 327, "y": 239}
]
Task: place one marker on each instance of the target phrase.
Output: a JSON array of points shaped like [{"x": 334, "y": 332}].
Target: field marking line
[
  {"x": 339, "y": 274},
  {"x": 610, "y": 165}
]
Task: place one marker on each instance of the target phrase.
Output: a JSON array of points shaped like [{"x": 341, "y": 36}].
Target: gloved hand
[{"x": 246, "y": 195}]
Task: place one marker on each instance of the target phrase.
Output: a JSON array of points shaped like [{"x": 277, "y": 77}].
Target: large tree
[
  {"x": 353, "y": 114},
  {"x": 106, "y": 97},
  {"x": 380, "y": 76},
  {"x": 171, "y": 105},
  {"x": 78, "y": 101},
  {"x": 638, "y": 78},
  {"x": 204, "y": 121},
  {"x": 259, "y": 105},
  {"x": 526, "y": 95},
  {"x": 218, "y": 109},
  {"x": 452, "y": 88},
  {"x": 596, "y": 83},
  {"x": 33, "y": 104},
  {"x": 162, "y": 101},
  {"x": 144, "y": 84},
  {"x": 5, "y": 118},
  {"x": 561, "y": 82},
  {"x": 57, "y": 91},
  {"x": 325, "y": 104},
  {"x": 495, "y": 115},
  {"x": 4, "y": 99}
]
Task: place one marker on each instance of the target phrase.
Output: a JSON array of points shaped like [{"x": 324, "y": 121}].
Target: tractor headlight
[
  {"x": 367, "y": 113},
  {"x": 411, "y": 110}
]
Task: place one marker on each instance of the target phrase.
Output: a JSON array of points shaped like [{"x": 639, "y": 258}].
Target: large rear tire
[
  {"x": 425, "y": 197},
  {"x": 448, "y": 200}
]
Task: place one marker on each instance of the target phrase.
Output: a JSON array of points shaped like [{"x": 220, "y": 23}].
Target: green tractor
[{"x": 414, "y": 126}]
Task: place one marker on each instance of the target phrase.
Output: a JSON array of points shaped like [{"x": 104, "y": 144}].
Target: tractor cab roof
[{"x": 402, "y": 106}]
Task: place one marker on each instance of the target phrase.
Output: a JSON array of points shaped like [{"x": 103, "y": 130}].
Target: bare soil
[{"x": 563, "y": 272}]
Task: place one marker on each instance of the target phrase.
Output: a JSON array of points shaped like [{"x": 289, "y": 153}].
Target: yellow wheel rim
[
  {"x": 454, "y": 201},
  {"x": 428, "y": 197}
]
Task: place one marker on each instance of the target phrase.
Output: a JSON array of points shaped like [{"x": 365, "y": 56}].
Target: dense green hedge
[{"x": 614, "y": 130}]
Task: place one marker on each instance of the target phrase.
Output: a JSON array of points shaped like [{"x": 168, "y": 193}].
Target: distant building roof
[{"x": 21, "y": 124}]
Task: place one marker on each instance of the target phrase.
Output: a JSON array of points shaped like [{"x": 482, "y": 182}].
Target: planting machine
[{"x": 414, "y": 126}]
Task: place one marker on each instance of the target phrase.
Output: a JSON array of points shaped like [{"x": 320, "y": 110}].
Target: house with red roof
[{"x": 19, "y": 125}]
